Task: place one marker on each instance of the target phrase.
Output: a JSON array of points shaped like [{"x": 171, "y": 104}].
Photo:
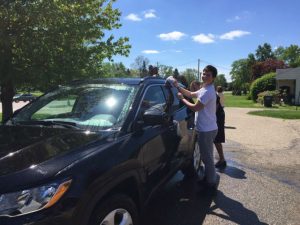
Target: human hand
[
  {"x": 175, "y": 83},
  {"x": 180, "y": 96},
  {"x": 172, "y": 81}
]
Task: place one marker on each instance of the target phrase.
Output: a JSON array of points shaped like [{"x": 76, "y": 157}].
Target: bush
[
  {"x": 265, "y": 83},
  {"x": 275, "y": 94}
]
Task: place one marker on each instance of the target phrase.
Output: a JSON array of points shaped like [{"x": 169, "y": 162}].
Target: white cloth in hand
[{"x": 171, "y": 80}]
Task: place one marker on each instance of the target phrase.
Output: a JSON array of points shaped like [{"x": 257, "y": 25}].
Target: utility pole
[{"x": 198, "y": 69}]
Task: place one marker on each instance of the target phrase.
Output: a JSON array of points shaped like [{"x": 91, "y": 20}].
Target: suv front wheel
[{"x": 115, "y": 210}]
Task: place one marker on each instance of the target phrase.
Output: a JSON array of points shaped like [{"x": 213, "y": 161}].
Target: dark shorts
[{"x": 220, "y": 138}]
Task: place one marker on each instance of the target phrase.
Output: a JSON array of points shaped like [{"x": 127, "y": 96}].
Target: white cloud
[
  {"x": 150, "y": 52},
  {"x": 172, "y": 36},
  {"x": 150, "y": 14},
  {"x": 133, "y": 17},
  {"x": 234, "y": 34},
  {"x": 236, "y": 18},
  {"x": 204, "y": 39}
]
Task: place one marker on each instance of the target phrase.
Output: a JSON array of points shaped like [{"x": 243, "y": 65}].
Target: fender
[{"x": 106, "y": 185}]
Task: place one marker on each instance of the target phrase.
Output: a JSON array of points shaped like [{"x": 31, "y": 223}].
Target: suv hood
[{"x": 23, "y": 147}]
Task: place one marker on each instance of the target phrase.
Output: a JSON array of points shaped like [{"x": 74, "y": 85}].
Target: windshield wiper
[{"x": 65, "y": 124}]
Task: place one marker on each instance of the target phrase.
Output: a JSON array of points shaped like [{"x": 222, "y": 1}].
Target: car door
[
  {"x": 158, "y": 142},
  {"x": 180, "y": 115}
]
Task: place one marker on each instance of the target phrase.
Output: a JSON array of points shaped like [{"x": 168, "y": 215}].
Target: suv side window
[
  {"x": 154, "y": 97},
  {"x": 172, "y": 99}
]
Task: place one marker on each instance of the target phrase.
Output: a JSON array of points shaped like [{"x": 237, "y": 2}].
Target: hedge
[{"x": 265, "y": 83}]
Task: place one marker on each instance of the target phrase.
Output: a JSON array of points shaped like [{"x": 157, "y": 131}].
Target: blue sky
[{"x": 179, "y": 32}]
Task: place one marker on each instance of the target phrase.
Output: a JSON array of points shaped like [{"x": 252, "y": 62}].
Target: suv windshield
[{"x": 88, "y": 106}]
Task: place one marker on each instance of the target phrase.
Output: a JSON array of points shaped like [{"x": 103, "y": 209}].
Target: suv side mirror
[{"x": 154, "y": 117}]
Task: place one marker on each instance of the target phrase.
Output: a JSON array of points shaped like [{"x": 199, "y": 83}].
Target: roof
[
  {"x": 287, "y": 74},
  {"x": 130, "y": 81}
]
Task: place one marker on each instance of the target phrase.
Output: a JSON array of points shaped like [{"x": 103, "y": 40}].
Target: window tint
[
  {"x": 171, "y": 95},
  {"x": 154, "y": 97}
]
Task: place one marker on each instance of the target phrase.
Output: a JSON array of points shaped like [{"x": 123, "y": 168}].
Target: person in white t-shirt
[{"x": 205, "y": 120}]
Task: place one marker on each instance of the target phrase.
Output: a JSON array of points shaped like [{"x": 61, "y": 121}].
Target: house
[{"x": 289, "y": 79}]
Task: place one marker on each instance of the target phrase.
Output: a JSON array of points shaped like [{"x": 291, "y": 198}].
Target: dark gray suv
[{"x": 93, "y": 152}]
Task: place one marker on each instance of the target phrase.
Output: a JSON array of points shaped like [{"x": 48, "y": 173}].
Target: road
[{"x": 259, "y": 186}]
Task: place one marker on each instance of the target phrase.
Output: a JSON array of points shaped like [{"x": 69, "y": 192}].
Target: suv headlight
[{"x": 34, "y": 199}]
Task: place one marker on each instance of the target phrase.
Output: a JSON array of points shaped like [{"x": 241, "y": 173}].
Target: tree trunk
[{"x": 7, "y": 94}]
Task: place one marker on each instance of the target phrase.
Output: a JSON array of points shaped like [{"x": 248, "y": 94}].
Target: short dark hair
[
  {"x": 219, "y": 89},
  {"x": 212, "y": 69}
]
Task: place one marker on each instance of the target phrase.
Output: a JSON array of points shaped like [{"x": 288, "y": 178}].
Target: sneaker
[{"x": 221, "y": 164}]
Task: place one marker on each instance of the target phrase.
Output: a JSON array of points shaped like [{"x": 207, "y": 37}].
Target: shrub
[
  {"x": 275, "y": 94},
  {"x": 265, "y": 83}
]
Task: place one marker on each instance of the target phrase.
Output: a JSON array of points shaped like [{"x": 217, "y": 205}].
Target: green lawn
[
  {"x": 239, "y": 101},
  {"x": 278, "y": 113}
]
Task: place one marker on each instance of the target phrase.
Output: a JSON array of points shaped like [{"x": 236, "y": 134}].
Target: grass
[
  {"x": 239, "y": 101},
  {"x": 278, "y": 113}
]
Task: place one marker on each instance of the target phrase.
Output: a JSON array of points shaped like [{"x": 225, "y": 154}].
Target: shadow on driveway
[
  {"x": 185, "y": 202},
  {"x": 233, "y": 172}
]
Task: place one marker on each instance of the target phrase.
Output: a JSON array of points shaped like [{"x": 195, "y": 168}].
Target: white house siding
[{"x": 289, "y": 76}]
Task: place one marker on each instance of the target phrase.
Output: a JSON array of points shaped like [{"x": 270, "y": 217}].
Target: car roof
[{"x": 129, "y": 81}]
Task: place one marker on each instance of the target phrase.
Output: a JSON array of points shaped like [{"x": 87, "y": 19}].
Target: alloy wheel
[
  {"x": 117, "y": 217},
  {"x": 196, "y": 157}
]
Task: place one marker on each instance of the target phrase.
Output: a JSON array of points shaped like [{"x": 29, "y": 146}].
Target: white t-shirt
[{"x": 205, "y": 119}]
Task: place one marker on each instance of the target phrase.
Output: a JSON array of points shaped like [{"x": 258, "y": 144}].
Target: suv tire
[
  {"x": 194, "y": 166},
  {"x": 116, "y": 209}
]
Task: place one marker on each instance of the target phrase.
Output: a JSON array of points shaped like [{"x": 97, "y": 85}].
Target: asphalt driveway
[
  {"x": 265, "y": 144},
  {"x": 259, "y": 186}
]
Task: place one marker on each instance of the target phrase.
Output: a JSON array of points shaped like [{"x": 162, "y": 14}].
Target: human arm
[
  {"x": 195, "y": 107},
  {"x": 184, "y": 91}
]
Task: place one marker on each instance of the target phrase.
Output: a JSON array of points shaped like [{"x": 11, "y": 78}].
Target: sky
[{"x": 179, "y": 32}]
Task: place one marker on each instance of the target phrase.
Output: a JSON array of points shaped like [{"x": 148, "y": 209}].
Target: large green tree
[
  {"x": 221, "y": 81},
  {"x": 190, "y": 75},
  {"x": 290, "y": 55},
  {"x": 44, "y": 43},
  {"x": 114, "y": 70},
  {"x": 264, "y": 52},
  {"x": 240, "y": 75}
]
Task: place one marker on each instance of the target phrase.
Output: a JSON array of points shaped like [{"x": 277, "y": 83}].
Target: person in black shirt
[{"x": 220, "y": 138}]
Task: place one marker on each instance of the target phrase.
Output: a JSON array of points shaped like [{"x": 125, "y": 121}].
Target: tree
[
  {"x": 45, "y": 43},
  {"x": 290, "y": 55},
  {"x": 264, "y": 52},
  {"x": 141, "y": 64},
  {"x": 165, "y": 71},
  {"x": 114, "y": 70},
  {"x": 240, "y": 75},
  {"x": 221, "y": 81},
  {"x": 190, "y": 75},
  {"x": 268, "y": 66}
]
